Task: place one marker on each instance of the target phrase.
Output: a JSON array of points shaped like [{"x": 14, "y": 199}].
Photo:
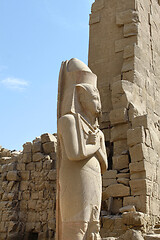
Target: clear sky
[{"x": 35, "y": 37}]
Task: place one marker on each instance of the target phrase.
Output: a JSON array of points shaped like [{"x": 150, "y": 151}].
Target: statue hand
[{"x": 93, "y": 138}]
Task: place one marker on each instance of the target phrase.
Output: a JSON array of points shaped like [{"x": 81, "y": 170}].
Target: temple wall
[{"x": 125, "y": 53}]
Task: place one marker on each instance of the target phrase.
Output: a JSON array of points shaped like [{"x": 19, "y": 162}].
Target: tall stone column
[{"x": 124, "y": 52}]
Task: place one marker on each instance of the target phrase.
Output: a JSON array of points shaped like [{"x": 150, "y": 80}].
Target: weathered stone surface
[
  {"x": 130, "y": 208},
  {"x": 138, "y": 152},
  {"x": 134, "y": 218},
  {"x": 135, "y": 136},
  {"x": 131, "y": 235},
  {"x": 27, "y": 157},
  {"x": 118, "y": 116},
  {"x": 97, "y": 5},
  {"x": 120, "y": 147},
  {"x": 138, "y": 187},
  {"x": 47, "y": 137},
  {"x": 140, "y": 121},
  {"x": 140, "y": 202},
  {"x": 27, "y": 147},
  {"x": 119, "y": 132},
  {"x": 120, "y": 162},
  {"x": 125, "y": 17},
  {"x": 107, "y": 182},
  {"x": 130, "y": 29},
  {"x": 49, "y": 147},
  {"x": 110, "y": 174},
  {"x": 13, "y": 176},
  {"x": 37, "y": 147},
  {"x": 38, "y": 157},
  {"x": 116, "y": 190},
  {"x": 124, "y": 181}
]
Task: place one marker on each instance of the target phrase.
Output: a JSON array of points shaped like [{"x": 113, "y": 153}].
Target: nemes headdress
[{"x": 73, "y": 73}]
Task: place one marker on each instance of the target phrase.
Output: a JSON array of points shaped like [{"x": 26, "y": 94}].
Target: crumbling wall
[{"x": 28, "y": 190}]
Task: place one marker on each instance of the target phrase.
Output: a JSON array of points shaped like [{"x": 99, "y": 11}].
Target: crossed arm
[{"x": 67, "y": 131}]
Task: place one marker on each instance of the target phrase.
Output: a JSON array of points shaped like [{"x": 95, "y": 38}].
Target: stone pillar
[{"x": 124, "y": 52}]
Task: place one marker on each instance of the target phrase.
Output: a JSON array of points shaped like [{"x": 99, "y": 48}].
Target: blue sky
[{"x": 36, "y": 36}]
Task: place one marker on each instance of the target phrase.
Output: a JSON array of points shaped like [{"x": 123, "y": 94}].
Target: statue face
[{"x": 92, "y": 102}]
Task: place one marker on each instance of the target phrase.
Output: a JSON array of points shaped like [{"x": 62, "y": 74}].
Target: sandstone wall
[
  {"x": 124, "y": 52},
  {"x": 28, "y": 190}
]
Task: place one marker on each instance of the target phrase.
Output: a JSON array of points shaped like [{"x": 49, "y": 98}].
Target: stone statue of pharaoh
[{"x": 81, "y": 154}]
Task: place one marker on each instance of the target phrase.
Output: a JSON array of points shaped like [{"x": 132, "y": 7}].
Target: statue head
[
  {"x": 89, "y": 99},
  {"x": 77, "y": 89}
]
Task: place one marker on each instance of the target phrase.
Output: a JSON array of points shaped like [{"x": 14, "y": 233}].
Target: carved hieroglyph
[{"x": 81, "y": 154}]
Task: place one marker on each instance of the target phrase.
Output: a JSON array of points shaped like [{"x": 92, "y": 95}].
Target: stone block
[
  {"x": 138, "y": 175},
  {"x": 25, "y": 175},
  {"x": 139, "y": 187},
  {"x": 47, "y": 137},
  {"x": 13, "y": 176},
  {"x": 123, "y": 175},
  {"x": 12, "y": 166},
  {"x": 24, "y": 185},
  {"x": 120, "y": 162},
  {"x": 49, "y": 147},
  {"x": 125, "y": 17},
  {"x": 130, "y": 29},
  {"x": 129, "y": 52},
  {"x": 27, "y": 147},
  {"x": 97, "y": 5},
  {"x": 137, "y": 167},
  {"x": 94, "y": 18},
  {"x": 122, "y": 43},
  {"x": 37, "y": 147},
  {"x": 135, "y": 136},
  {"x": 119, "y": 132},
  {"x": 122, "y": 93},
  {"x": 118, "y": 116},
  {"x": 27, "y": 157},
  {"x": 138, "y": 152},
  {"x": 140, "y": 121},
  {"x": 129, "y": 208},
  {"x": 106, "y": 182},
  {"x": 131, "y": 234},
  {"x": 116, "y": 190},
  {"x": 30, "y": 166},
  {"x": 110, "y": 174},
  {"x": 21, "y": 166},
  {"x": 140, "y": 202},
  {"x": 128, "y": 65},
  {"x": 133, "y": 218},
  {"x": 38, "y": 157},
  {"x": 123, "y": 181},
  {"x": 120, "y": 147}
]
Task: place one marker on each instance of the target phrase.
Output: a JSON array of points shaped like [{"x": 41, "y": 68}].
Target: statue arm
[
  {"x": 101, "y": 154},
  {"x": 67, "y": 131}
]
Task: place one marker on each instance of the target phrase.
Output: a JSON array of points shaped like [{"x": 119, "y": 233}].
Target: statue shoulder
[{"x": 66, "y": 121}]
